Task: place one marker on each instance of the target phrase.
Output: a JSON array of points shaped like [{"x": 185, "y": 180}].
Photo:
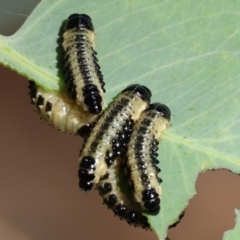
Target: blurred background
[{"x": 39, "y": 194}]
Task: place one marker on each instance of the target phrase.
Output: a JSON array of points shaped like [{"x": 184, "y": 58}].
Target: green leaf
[
  {"x": 186, "y": 52},
  {"x": 234, "y": 233}
]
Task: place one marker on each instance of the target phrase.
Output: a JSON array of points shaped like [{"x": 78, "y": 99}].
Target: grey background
[{"x": 39, "y": 195}]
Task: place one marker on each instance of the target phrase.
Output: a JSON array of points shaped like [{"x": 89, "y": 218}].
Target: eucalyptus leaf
[{"x": 186, "y": 52}]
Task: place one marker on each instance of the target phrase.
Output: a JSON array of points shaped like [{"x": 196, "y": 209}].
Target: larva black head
[
  {"x": 143, "y": 91},
  {"x": 76, "y": 20},
  {"x": 162, "y": 109}
]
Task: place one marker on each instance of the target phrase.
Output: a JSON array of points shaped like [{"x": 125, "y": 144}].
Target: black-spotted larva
[
  {"x": 141, "y": 156},
  {"x": 117, "y": 200},
  {"x": 58, "y": 110},
  {"x": 100, "y": 148},
  {"x": 82, "y": 73}
]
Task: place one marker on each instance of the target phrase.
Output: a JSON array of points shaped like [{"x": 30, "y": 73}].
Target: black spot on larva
[
  {"x": 158, "y": 170},
  {"x": 132, "y": 217},
  {"x": 85, "y": 173},
  {"x": 105, "y": 126},
  {"x": 84, "y": 131},
  {"x": 48, "y": 107},
  {"x": 40, "y": 101},
  {"x": 141, "y": 166},
  {"x": 109, "y": 158},
  {"x": 142, "y": 130},
  {"x": 88, "y": 162},
  {"x": 155, "y": 161},
  {"x": 120, "y": 210},
  {"x": 83, "y": 77},
  {"x": 111, "y": 200},
  {"x": 154, "y": 148},
  {"x": 143, "y": 91},
  {"x": 116, "y": 147},
  {"x": 153, "y": 155},
  {"x": 106, "y": 188},
  {"x": 159, "y": 180},
  {"x": 85, "y": 185},
  {"x": 162, "y": 109},
  {"x": 144, "y": 178},
  {"x": 146, "y": 122},
  {"x": 143, "y": 221},
  {"x": 94, "y": 145},
  {"x": 139, "y": 146},
  {"x": 33, "y": 90},
  {"x": 106, "y": 176}
]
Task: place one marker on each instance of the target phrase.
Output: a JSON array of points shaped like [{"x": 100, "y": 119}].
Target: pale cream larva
[
  {"x": 58, "y": 110},
  {"x": 101, "y": 147},
  {"x": 141, "y": 156},
  {"x": 83, "y": 76}
]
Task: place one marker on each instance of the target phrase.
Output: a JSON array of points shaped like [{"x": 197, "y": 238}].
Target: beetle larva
[
  {"x": 141, "y": 156},
  {"x": 100, "y": 148},
  {"x": 82, "y": 72},
  {"x": 58, "y": 110}
]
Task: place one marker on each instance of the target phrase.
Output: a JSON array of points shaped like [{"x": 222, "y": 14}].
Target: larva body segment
[
  {"x": 141, "y": 156},
  {"x": 118, "y": 201},
  {"x": 58, "y": 110},
  {"x": 83, "y": 77},
  {"x": 101, "y": 148}
]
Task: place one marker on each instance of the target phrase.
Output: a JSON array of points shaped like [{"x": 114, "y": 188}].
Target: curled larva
[
  {"x": 141, "y": 156},
  {"x": 100, "y": 148},
  {"x": 82, "y": 73},
  {"x": 117, "y": 200},
  {"x": 58, "y": 110}
]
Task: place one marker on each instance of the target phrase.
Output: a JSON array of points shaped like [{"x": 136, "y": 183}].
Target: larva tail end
[{"x": 151, "y": 201}]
